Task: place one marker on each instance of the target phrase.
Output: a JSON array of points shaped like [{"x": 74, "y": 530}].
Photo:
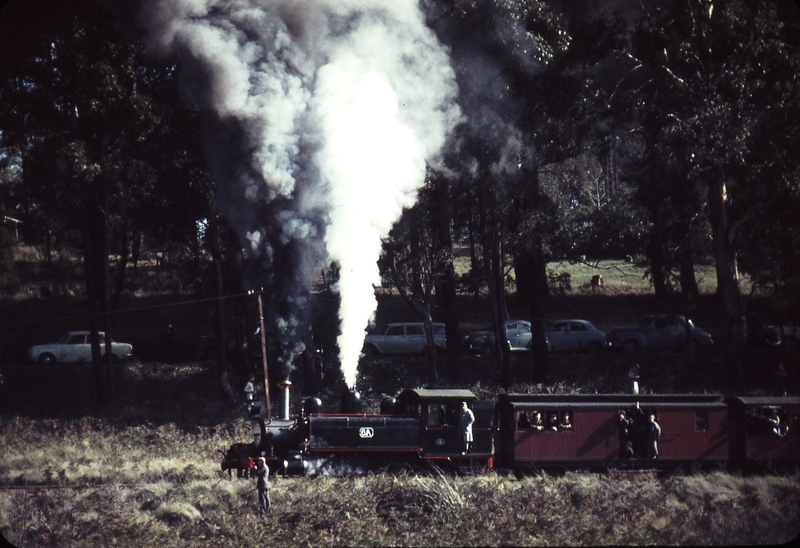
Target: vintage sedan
[
  {"x": 518, "y": 334},
  {"x": 403, "y": 338},
  {"x": 76, "y": 347},
  {"x": 574, "y": 336},
  {"x": 659, "y": 332}
]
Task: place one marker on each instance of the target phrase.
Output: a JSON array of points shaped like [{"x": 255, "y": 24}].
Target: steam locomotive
[{"x": 581, "y": 432}]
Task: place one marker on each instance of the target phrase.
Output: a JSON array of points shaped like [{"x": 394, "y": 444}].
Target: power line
[{"x": 124, "y": 310}]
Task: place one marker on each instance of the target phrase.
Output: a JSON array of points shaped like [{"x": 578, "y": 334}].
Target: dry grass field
[{"x": 146, "y": 473}]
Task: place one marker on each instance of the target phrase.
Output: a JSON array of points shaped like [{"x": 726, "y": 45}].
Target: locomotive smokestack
[
  {"x": 284, "y": 400},
  {"x": 351, "y": 401}
]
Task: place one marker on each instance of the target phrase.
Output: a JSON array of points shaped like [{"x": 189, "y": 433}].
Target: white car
[
  {"x": 574, "y": 336},
  {"x": 403, "y": 338},
  {"x": 76, "y": 347}
]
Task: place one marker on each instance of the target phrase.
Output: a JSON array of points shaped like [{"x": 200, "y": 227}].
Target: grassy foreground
[
  {"x": 150, "y": 486},
  {"x": 147, "y": 474}
]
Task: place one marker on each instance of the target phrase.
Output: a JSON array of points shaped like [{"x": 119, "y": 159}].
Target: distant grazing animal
[
  {"x": 628, "y": 259},
  {"x": 583, "y": 258},
  {"x": 597, "y": 283}
]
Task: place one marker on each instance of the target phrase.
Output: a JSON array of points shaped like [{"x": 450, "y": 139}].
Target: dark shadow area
[{"x": 187, "y": 394}]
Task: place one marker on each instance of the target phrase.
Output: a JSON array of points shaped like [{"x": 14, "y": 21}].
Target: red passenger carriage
[
  {"x": 764, "y": 432},
  {"x": 694, "y": 429}
]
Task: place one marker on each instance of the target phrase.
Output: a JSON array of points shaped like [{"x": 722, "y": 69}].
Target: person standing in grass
[
  {"x": 633, "y": 378},
  {"x": 465, "y": 420},
  {"x": 262, "y": 484},
  {"x": 653, "y": 433},
  {"x": 250, "y": 390}
]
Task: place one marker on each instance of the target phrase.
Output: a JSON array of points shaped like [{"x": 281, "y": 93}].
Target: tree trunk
[
  {"x": 94, "y": 246},
  {"x": 119, "y": 283},
  {"x": 689, "y": 288},
  {"x": 531, "y": 269},
  {"x": 89, "y": 276},
  {"x": 219, "y": 309},
  {"x": 655, "y": 252},
  {"x": 493, "y": 264},
  {"x": 441, "y": 216},
  {"x": 728, "y": 289},
  {"x": 108, "y": 361}
]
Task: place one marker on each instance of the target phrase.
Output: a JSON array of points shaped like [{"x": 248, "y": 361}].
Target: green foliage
[
  {"x": 714, "y": 93},
  {"x": 559, "y": 282},
  {"x": 91, "y": 120}
]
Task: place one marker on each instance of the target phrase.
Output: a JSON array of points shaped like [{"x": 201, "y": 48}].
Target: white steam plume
[{"x": 325, "y": 113}]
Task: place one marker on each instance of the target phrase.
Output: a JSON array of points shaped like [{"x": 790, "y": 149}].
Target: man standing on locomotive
[{"x": 465, "y": 420}]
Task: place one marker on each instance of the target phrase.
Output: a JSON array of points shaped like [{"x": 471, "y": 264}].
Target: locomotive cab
[{"x": 438, "y": 412}]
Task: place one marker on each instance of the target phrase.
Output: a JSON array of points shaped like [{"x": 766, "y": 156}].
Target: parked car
[
  {"x": 659, "y": 332},
  {"x": 574, "y": 336},
  {"x": 76, "y": 347},
  {"x": 518, "y": 333},
  {"x": 403, "y": 338},
  {"x": 779, "y": 336}
]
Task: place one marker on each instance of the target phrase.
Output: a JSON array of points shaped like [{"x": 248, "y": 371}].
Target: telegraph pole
[{"x": 264, "y": 351}]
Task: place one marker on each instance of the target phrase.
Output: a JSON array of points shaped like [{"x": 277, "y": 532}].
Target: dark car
[
  {"x": 518, "y": 334},
  {"x": 659, "y": 332}
]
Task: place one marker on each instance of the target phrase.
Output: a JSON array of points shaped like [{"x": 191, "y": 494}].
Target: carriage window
[
  {"x": 566, "y": 421},
  {"x": 451, "y": 414},
  {"x": 701, "y": 421},
  {"x": 536, "y": 420},
  {"x": 523, "y": 421},
  {"x": 766, "y": 420},
  {"x": 552, "y": 421}
]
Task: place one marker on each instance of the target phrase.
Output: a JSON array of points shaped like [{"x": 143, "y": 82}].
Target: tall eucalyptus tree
[{"x": 719, "y": 95}]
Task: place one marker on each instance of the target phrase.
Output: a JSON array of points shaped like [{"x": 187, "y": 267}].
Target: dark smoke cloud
[{"x": 321, "y": 116}]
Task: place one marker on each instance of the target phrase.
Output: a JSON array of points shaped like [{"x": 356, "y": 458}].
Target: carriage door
[{"x": 439, "y": 436}]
